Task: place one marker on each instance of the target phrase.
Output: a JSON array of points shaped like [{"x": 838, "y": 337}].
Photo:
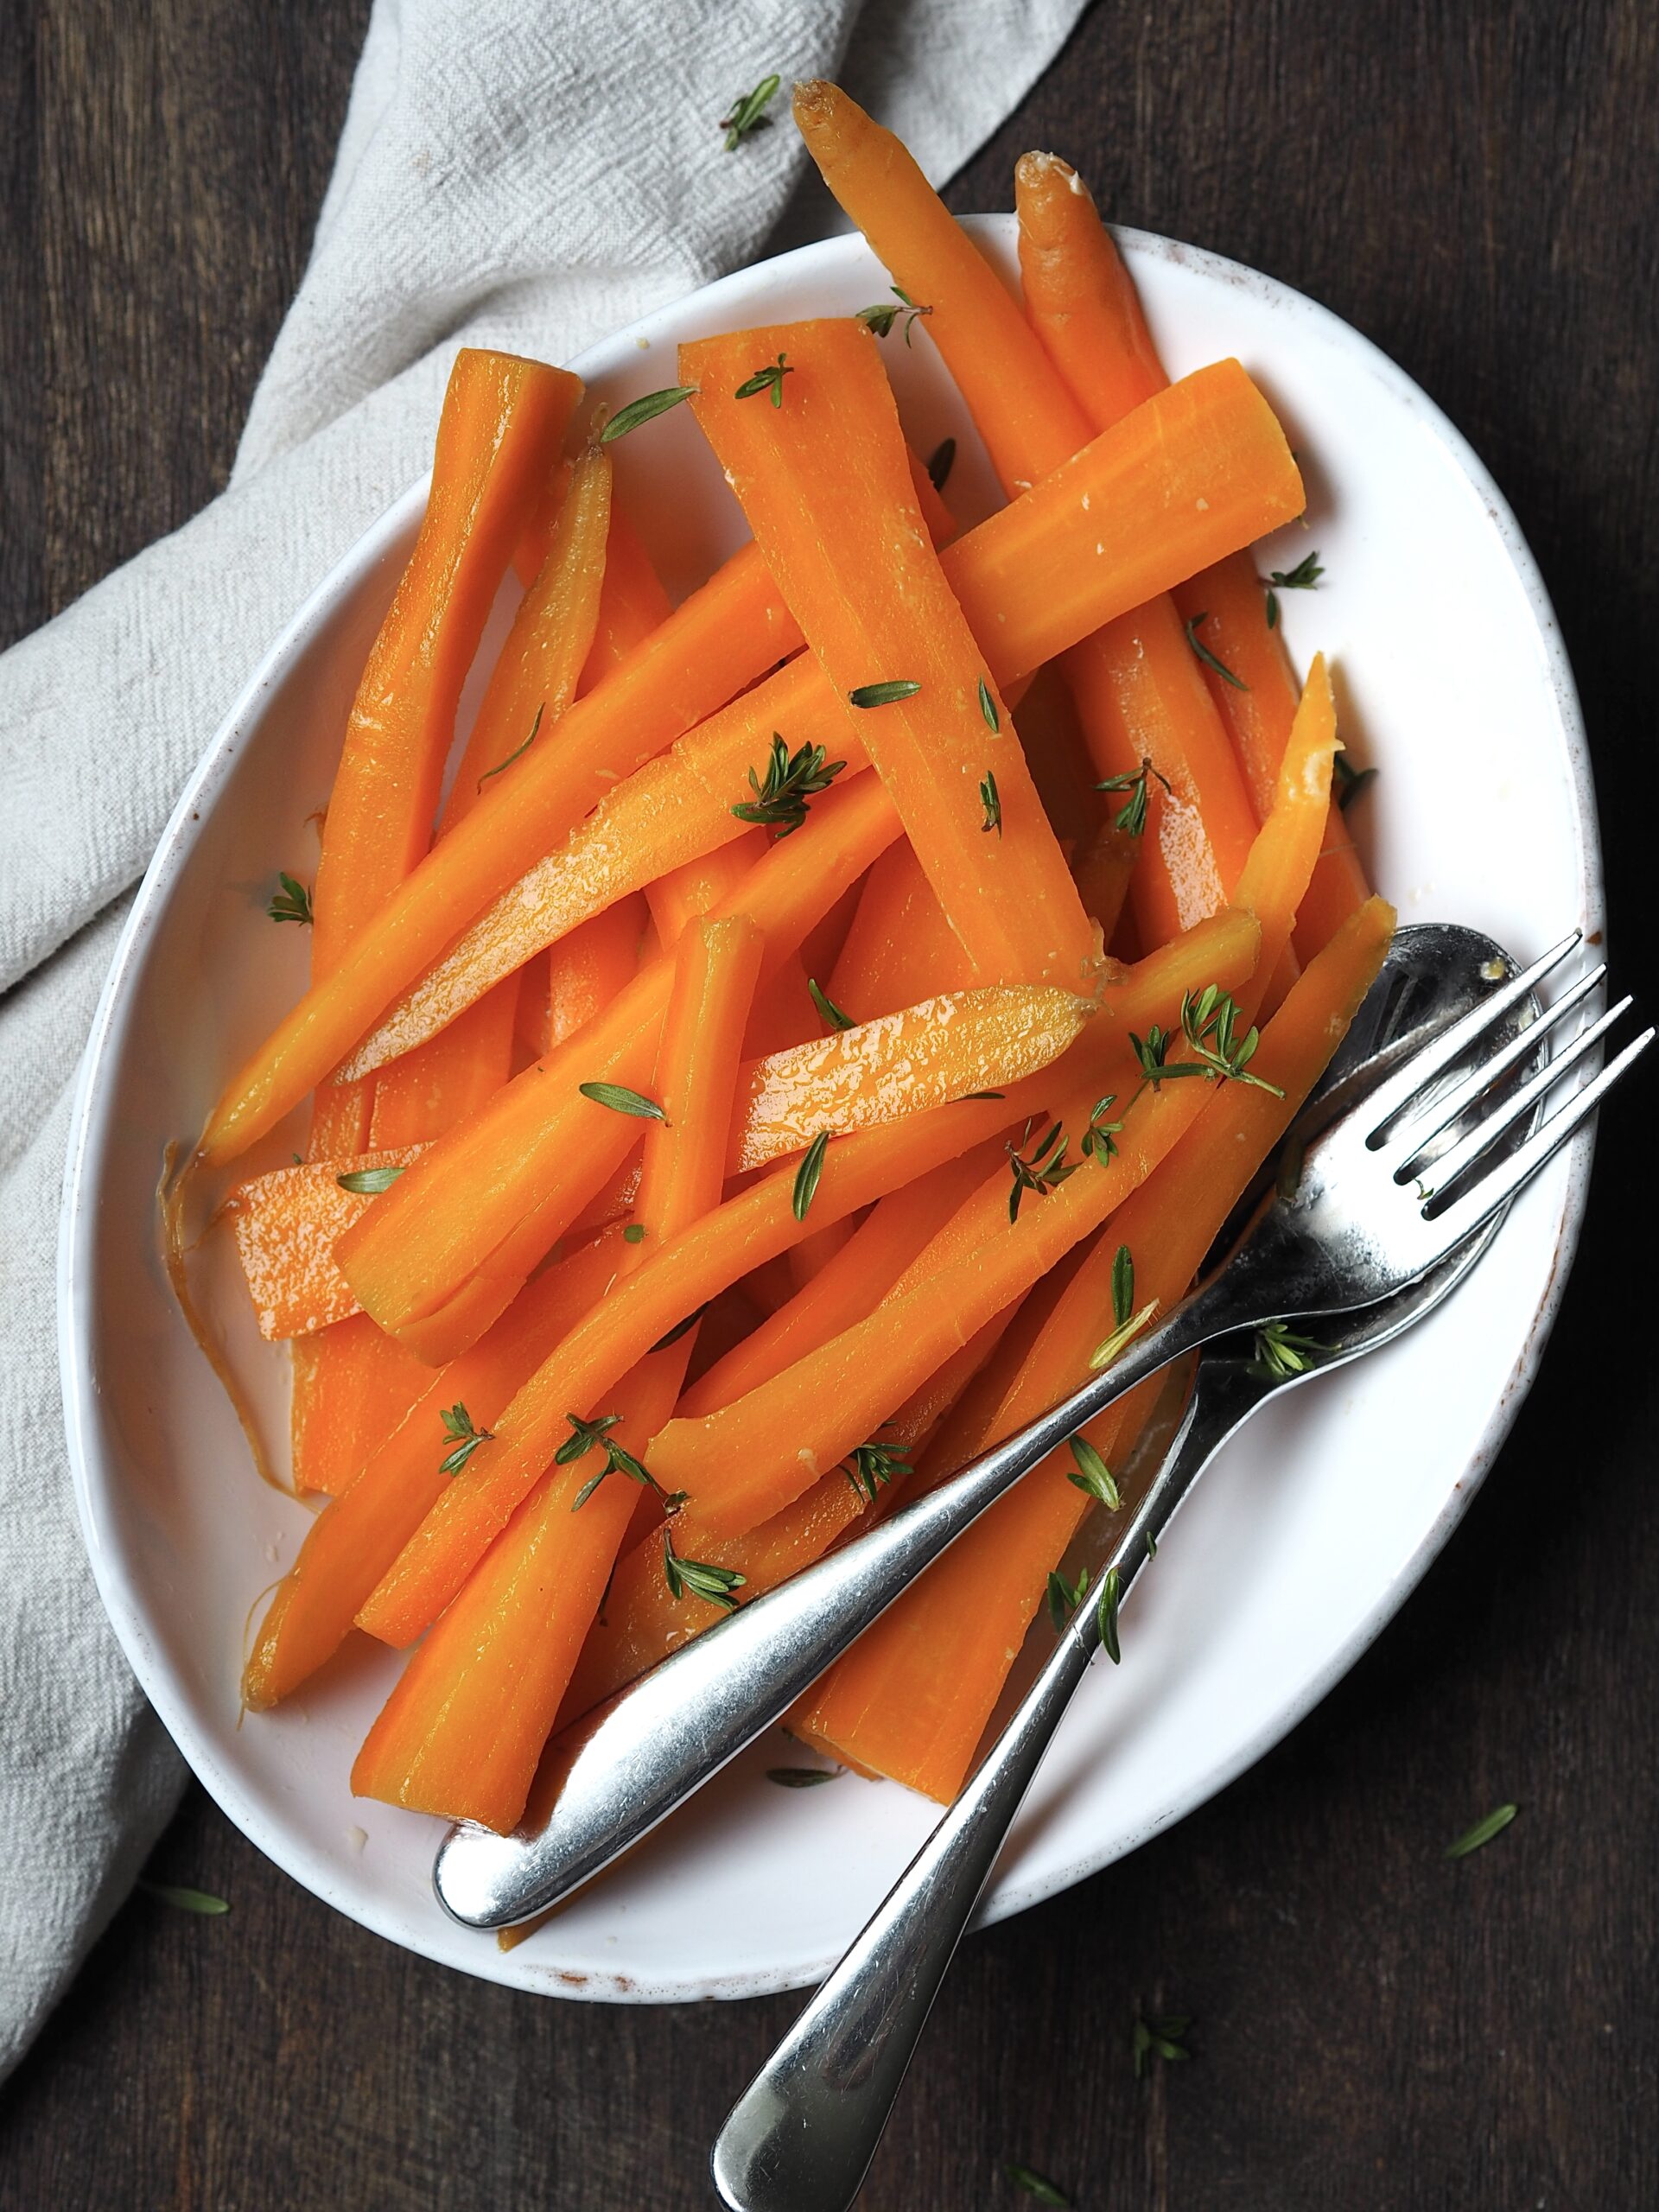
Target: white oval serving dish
[{"x": 1302, "y": 1542}]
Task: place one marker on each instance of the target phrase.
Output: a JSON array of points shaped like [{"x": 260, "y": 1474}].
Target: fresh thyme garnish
[
  {"x": 826, "y": 1006},
  {"x": 1209, "y": 1021},
  {"x": 1483, "y": 1832},
  {"x": 1128, "y": 1323},
  {"x": 622, "y": 1100},
  {"x": 634, "y": 1233},
  {"x": 292, "y": 902},
  {"x": 803, "y": 1778},
  {"x": 587, "y": 1435},
  {"x": 1132, "y": 815},
  {"x": 779, "y": 802},
  {"x": 1100, "y": 1138},
  {"x": 458, "y": 1429},
  {"x": 1208, "y": 658},
  {"x": 939, "y": 463},
  {"x": 186, "y": 1900},
  {"x": 1159, "y": 2038},
  {"x": 770, "y": 379},
  {"x": 1305, "y": 576},
  {"x": 1278, "y": 1355},
  {"x": 1064, "y": 1599},
  {"x": 871, "y": 1465},
  {"x": 967, "y": 1095},
  {"x": 990, "y": 799},
  {"x": 1046, "y": 1170},
  {"x": 883, "y": 695},
  {"x": 644, "y": 409},
  {"x": 987, "y": 707},
  {"x": 1348, "y": 782},
  {"x": 516, "y": 750},
  {"x": 680, "y": 1327},
  {"x": 1093, "y": 1477},
  {"x": 807, "y": 1174},
  {"x": 713, "y": 1584},
  {"x": 1111, "y": 1590},
  {"x": 748, "y": 113},
  {"x": 1035, "y": 2184},
  {"x": 368, "y": 1182},
  {"x": 1152, "y": 1545},
  {"x": 881, "y": 319}
]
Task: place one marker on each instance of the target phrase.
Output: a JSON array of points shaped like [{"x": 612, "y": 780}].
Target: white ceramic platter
[{"x": 1302, "y": 1542}]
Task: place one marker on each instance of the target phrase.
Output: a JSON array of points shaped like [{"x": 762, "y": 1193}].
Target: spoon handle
[{"x": 803, "y": 2134}]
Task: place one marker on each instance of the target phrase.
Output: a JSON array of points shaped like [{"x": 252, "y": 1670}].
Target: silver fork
[{"x": 1368, "y": 1215}]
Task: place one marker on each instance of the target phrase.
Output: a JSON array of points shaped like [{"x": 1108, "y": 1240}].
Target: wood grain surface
[{"x": 1474, "y": 186}]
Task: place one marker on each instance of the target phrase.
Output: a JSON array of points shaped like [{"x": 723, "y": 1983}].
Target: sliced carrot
[
  {"x": 912, "y": 1699},
  {"x": 512, "y": 1179},
  {"x": 680, "y": 894},
  {"x": 592, "y": 966},
  {"x": 631, "y": 601},
  {"x": 462, "y": 1732},
  {"x": 740, "y": 1236},
  {"x": 354, "y": 1540},
  {"x": 942, "y": 1049},
  {"x": 825, "y": 481},
  {"x": 286, "y": 1223},
  {"x": 1031, "y": 421},
  {"x": 353, "y": 1384},
  {"x": 900, "y": 945},
  {"x": 1203, "y": 467},
  {"x": 431, "y": 1090}
]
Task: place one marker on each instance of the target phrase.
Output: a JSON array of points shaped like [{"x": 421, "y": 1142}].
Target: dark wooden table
[{"x": 1475, "y": 188}]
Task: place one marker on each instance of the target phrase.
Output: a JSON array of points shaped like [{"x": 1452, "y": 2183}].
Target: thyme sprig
[
  {"x": 1279, "y": 1355},
  {"x": 293, "y": 902},
  {"x": 516, "y": 750},
  {"x": 464, "y": 1435},
  {"x": 821, "y": 999},
  {"x": 869, "y": 1465},
  {"x": 880, "y": 318},
  {"x": 1159, "y": 2037},
  {"x": 645, "y": 410},
  {"x": 1092, "y": 1476},
  {"x": 780, "y": 798},
  {"x": 1064, "y": 1598},
  {"x": 808, "y": 1174},
  {"x": 715, "y": 1584},
  {"x": 1132, "y": 815},
  {"x": 1126, "y": 1322},
  {"x": 1046, "y": 1170},
  {"x": 589, "y": 1436},
  {"x": 749, "y": 113},
  {"x": 991, "y": 799},
  {"x": 1209, "y": 1020},
  {"x": 1305, "y": 576},
  {"x": 1348, "y": 782},
  {"x": 1209, "y": 658},
  {"x": 368, "y": 1182},
  {"x": 1100, "y": 1139},
  {"x": 770, "y": 379}
]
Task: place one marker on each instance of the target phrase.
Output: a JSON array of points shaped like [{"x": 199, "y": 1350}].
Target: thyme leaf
[
  {"x": 622, "y": 1100},
  {"x": 884, "y": 695},
  {"x": 368, "y": 1182},
  {"x": 770, "y": 379},
  {"x": 644, "y": 409},
  {"x": 1483, "y": 1832},
  {"x": 292, "y": 902},
  {"x": 1208, "y": 658},
  {"x": 808, "y": 1173},
  {"x": 990, "y": 799},
  {"x": 715, "y": 1584},
  {"x": 827, "y": 1007}
]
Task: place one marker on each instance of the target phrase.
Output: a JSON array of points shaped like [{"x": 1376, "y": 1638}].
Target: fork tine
[
  {"x": 1440, "y": 1174},
  {"x": 1445, "y": 1050},
  {"x": 1442, "y": 1113},
  {"x": 1500, "y": 1184}
]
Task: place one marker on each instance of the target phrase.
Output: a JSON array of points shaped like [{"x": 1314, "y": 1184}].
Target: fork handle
[
  {"x": 801, "y": 2137},
  {"x": 665, "y": 1736}
]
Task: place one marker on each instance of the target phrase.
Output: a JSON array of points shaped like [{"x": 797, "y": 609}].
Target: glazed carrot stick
[
  {"x": 352, "y": 1541},
  {"x": 631, "y": 601},
  {"x": 900, "y": 945},
  {"x": 682, "y": 894},
  {"x": 912, "y": 1699},
  {"x": 348, "y": 1399},
  {"x": 1200, "y": 468},
  {"x": 745, "y": 1462},
  {"x": 593, "y": 965},
  {"x": 464, "y": 1729},
  {"x": 1083, "y": 305},
  {"x": 740, "y": 1236},
  {"x": 286, "y": 1223},
  {"x": 892, "y": 1236},
  {"x": 512, "y": 1179},
  {"x": 535, "y": 677},
  {"x": 1031, "y": 421},
  {"x": 825, "y": 481},
  {"x": 942, "y": 1049}
]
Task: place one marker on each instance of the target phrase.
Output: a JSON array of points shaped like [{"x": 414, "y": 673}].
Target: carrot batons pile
[{"x": 751, "y": 1093}]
